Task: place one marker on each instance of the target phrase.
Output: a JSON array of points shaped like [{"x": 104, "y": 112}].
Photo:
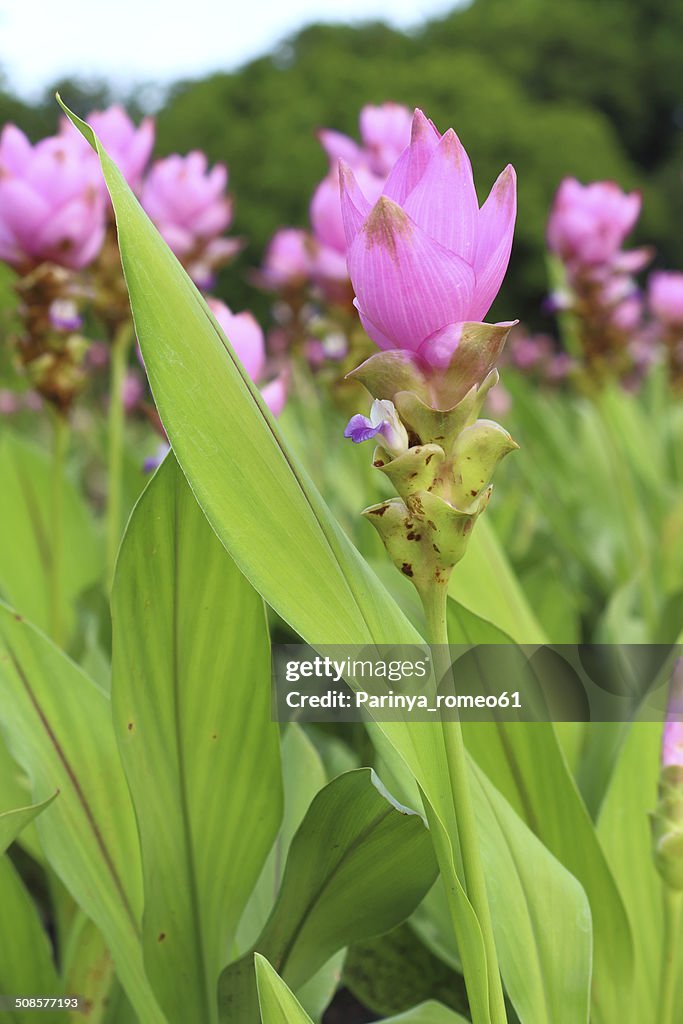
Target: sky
[{"x": 131, "y": 41}]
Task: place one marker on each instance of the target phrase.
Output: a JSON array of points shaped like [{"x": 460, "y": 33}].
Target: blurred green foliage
[{"x": 585, "y": 88}]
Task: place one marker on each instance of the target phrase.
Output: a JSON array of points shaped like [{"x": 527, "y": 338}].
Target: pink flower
[
  {"x": 287, "y": 262},
  {"x": 130, "y": 147},
  {"x": 385, "y": 132},
  {"x": 51, "y": 203},
  {"x": 246, "y": 337},
  {"x": 665, "y": 297},
  {"x": 189, "y": 205},
  {"x": 425, "y": 259},
  {"x": 588, "y": 223}
]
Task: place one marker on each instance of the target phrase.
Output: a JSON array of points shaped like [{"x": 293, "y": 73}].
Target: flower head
[
  {"x": 189, "y": 205},
  {"x": 424, "y": 259},
  {"x": 51, "y": 204},
  {"x": 588, "y": 223}
]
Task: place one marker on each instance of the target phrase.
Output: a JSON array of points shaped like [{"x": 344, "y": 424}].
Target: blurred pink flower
[
  {"x": 665, "y": 297},
  {"x": 132, "y": 391},
  {"x": 51, "y": 204},
  {"x": 130, "y": 147},
  {"x": 425, "y": 259},
  {"x": 10, "y": 403},
  {"x": 385, "y": 131},
  {"x": 588, "y": 223},
  {"x": 246, "y": 337},
  {"x": 329, "y": 255},
  {"x": 287, "y": 262},
  {"x": 189, "y": 205}
]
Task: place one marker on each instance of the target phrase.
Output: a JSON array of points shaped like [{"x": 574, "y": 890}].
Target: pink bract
[
  {"x": 425, "y": 258},
  {"x": 51, "y": 204}
]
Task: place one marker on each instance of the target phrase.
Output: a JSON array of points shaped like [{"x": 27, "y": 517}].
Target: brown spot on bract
[
  {"x": 468, "y": 526},
  {"x": 429, "y": 458},
  {"x": 378, "y": 511},
  {"x": 431, "y": 524},
  {"x": 407, "y": 569},
  {"x": 131, "y": 726},
  {"x": 378, "y": 463},
  {"x": 438, "y": 550},
  {"x": 413, "y": 536},
  {"x": 214, "y": 736},
  {"x": 162, "y": 936},
  {"x": 474, "y": 493}
]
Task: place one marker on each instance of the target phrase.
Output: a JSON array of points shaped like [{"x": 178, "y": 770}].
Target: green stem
[
  {"x": 119, "y": 357},
  {"x": 60, "y": 445},
  {"x": 435, "y": 602},
  {"x": 671, "y": 956}
]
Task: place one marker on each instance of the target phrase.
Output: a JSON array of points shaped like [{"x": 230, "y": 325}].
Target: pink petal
[
  {"x": 413, "y": 162},
  {"x": 406, "y": 283},
  {"x": 494, "y": 242},
  {"x": 355, "y": 207},
  {"x": 339, "y": 147},
  {"x": 372, "y": 330},
  {"x": 444, "y": 202}
]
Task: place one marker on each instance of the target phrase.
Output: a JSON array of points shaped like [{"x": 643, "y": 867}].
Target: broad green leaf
[
  {"x": 485, "y": 584},
  {"x": 303, "y": 775},
  {"x": 256, "y": 496},
  {"x": 14, "y": 821},
  {"x": 525, "y": 763},
  {"x": 277, "y": 1003},
  {"x": 26, "y": 966},
  {"x": 191, "y": 702},
  {"x": 26, "y": 541},
  {"x": 358, "y": 865},
  {"x": 57, "y": 725},
  {"x": 88, "y": 968},
  {"x": 544, "y": 957},
  {"x": 625, "y": 834},
  {"x": 542, "y": 918},
  {"x": 430, "y": 1012},
  {"x": 389, "y": 974}
]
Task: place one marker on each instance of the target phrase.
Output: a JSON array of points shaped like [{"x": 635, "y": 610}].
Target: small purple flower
[
  {"x": 383, "y": 420},
  {"x": 64, "y": 316},
  {"x": 153, "y": 462}
]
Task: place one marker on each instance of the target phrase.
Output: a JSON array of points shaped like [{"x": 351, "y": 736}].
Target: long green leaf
[
  {"x": 58, "y": 728},
  {"x": 26, "y": 541},
  {"x": 277, "y": 1003},
  {"x": 358, "y": 865},
  {"x": 625, "y": 834},
  {"x": 525, "y": 762},
  {"x": 191, "y": 700}
]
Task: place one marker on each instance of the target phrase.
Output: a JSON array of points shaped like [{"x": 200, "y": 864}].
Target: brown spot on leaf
[
  {"x": 131, "y": 726},
  {"x": 161, "y": 937}
]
